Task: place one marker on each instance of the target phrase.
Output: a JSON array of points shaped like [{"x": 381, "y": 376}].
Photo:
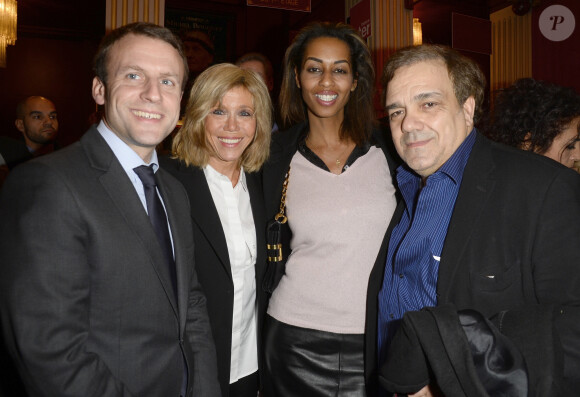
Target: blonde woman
[{"x": 224, "y": 140}]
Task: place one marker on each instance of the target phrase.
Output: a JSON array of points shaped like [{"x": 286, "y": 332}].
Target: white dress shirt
[{"x": 235, "y": 213}]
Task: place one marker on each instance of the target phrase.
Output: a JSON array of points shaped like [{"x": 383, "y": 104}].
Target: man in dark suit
[
  {"x": 98, "y": 291},
  {"x": 481, "y": 226}
]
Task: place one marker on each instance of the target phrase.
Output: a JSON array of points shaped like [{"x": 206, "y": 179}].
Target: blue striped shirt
[{"x": 410, "y": 281}]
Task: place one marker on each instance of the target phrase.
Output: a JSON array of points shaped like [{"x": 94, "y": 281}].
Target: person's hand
[{"x": 425, "y": 392}]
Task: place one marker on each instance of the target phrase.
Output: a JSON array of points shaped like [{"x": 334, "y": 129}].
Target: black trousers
[
  {"x": 306, "y": 362},
  {"x": 245, "y": 387}
]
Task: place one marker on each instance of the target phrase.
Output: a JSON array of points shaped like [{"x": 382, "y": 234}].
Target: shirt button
[
  {"x": 392, "y": 315},
  {"x": 401, "y": 275}
]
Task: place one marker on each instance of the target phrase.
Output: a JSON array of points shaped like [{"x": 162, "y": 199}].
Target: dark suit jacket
[
  {"x": 212, "y": 258},
  {"x": 461, "y": 351},
  {"x": 284, "y": 146},
  {"x": 14, "y": 151},
  {"x": 86, "y": 301},
  {"x": 512, "y": 246}
]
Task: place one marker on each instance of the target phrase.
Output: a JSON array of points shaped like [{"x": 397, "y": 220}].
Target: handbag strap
[{"x": 280, "y": 217}]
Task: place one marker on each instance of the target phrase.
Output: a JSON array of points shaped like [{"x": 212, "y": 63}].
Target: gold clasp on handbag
[
  {"x": 280, "y": 217},
  {"x": 275, "y": 247}
]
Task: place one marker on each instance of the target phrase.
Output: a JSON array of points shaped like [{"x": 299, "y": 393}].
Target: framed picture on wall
[{"x": 205, "y": 37}]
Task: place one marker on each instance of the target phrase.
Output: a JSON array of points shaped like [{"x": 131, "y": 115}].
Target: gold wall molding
[
  {"x": 391, "y": 29},
  {"x": 511, "y": 49},
  {"x": 123, "y": 12}
]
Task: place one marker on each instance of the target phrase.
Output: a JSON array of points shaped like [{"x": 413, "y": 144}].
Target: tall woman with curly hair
[
  {"x": 339, "y": 201},
  {"x": 540, "y": 117}
]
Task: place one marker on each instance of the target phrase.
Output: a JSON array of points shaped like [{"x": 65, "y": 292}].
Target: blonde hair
[{"x": 191, "y": 145}]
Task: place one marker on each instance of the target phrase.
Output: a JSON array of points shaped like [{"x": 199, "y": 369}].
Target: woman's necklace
[{"x": 339, "y": 160}]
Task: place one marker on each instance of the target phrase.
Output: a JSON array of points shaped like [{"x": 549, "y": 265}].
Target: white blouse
[{"x": 235, "y": 213}]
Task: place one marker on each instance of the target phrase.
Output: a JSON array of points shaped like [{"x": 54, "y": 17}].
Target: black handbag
[{"x": 276, "y": 230}]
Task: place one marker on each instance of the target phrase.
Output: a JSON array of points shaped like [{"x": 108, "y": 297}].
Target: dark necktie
[{"x": 158, "y": 217}]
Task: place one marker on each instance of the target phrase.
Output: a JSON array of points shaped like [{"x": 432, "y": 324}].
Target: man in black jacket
[{"x": 482, "y": 226}]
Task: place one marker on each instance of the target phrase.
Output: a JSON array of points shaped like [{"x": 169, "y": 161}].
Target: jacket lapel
[
  {"x": 257, "y": 203},
  {"x": 476, "y": 188},
  {"x": 121, "y": 191},
  {"x": 204, "y": 212}
]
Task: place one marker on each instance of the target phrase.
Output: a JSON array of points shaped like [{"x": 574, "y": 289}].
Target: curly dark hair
[
  {"x": 359, "y": 117},
  {"x": 529, "y": 114}
]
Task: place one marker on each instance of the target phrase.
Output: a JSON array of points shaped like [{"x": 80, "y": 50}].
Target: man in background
[
  {"x": 261, "y": 65},
  {"x": 199, "y": 50},
  {"x": 258, "y": 63},
  {"x": 36, "y": 119}
]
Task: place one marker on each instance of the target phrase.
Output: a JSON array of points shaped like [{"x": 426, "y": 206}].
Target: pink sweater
[{"x": 338, "y": 223}]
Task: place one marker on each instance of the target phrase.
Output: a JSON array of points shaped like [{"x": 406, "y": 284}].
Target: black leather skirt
[{"x": 305, "y": 362}]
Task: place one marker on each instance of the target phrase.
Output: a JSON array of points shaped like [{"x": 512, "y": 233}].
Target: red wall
[
  {"x": 557, "y": 61},
  {"x": 57, "y": 69},
  {"x": 437, "y": 26},
  {"x": 58, "y": 38},
  {"x": 265, "y": 30},
  {"x": 53, "y": 57}
]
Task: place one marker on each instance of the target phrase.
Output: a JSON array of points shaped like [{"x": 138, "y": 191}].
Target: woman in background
[
  {"x": 540, "y": 117},
  {"x": 339, "y": 202},
  {"x": 224, "y": 140}
]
